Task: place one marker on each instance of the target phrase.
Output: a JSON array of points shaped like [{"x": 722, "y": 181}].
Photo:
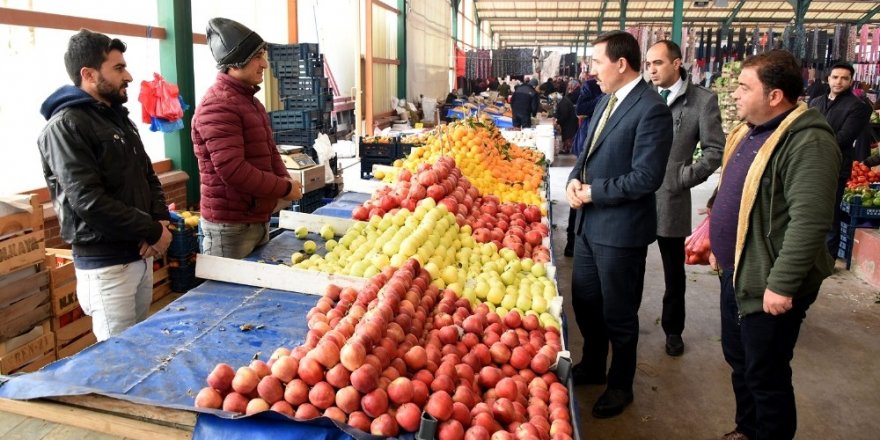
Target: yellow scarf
[{"x": 756, "y": 170}]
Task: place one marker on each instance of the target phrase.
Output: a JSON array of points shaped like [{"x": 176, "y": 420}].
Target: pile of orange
[{"x": 493, "y": 165}]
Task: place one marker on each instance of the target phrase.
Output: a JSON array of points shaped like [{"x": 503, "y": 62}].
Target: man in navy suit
[{"x": 612, "y": 186}]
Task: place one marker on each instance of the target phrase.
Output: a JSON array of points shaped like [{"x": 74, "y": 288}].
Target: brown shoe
[{"x": 734, "y": 435}]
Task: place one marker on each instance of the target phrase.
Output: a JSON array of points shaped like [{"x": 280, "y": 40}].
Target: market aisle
[{"x": 690, "y": 397}]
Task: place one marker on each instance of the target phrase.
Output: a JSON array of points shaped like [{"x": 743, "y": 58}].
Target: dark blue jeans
[
  {"x": 606, "y": 290},
  {"x": 759, "y": 348}
]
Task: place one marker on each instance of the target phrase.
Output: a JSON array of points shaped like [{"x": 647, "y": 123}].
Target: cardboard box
[{"x": 866, "y": 255}]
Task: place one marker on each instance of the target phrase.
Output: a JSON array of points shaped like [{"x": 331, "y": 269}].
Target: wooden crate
[
  {"x": 22, "y": 239},
  {"x": 72, "y": 331},
  {"x": 161, "y": 279},
  {"x": 63, "y": 276},
  {"x": 24, "y": 300},
  {"x": 38, "y": 351}
]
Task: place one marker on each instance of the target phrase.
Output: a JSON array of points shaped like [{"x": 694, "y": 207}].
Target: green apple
[
  {"x": 330, "y": 244},
  {"x": 524, "y": 302},
  {"x": 509, "y": 301},
  {"x": 301, "y": 232},
  {"x": 327, "y": 232},
  {"x": 539, "y": 304},
  {"x": 539, "y": 270},
  {"x": 310, "y": 247},
  {"x": 496, "y": 294},
  {"x": 296, "y": 257}
]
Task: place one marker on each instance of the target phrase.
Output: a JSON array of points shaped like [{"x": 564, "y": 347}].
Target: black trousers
[
  {"x": 569, "y": 230},
  {"x": 606, "y": 294},
  {"x": 672, "y": 254},
  {"x": 759, "y": 348},
  {"x": 524, "y": 121}
]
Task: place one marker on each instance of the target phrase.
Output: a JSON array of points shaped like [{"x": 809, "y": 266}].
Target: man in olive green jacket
[{"x": 774, "y": 205}]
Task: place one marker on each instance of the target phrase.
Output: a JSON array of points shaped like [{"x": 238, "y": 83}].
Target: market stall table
[{"x": 152, "y": 371}]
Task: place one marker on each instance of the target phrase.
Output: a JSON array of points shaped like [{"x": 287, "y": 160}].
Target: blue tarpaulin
[{"x": 165, "y": 360}]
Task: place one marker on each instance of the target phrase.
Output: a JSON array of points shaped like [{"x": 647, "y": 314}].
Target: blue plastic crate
[
  {"x": 303, "y": 86},
  {"x": 293, "y": 51},
  {"x": 288, "y": 119},
  {"x": 303, "y": 138},
  {"x": 378, "y": 149},
  {"x": 320, "y": 102},
  {"x": 857, "y": 211},
  {"x": 184, "y": 240},
  {"x": 297, "y": 68}
]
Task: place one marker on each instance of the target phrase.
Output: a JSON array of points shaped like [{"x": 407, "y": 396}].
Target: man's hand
[
  {"x": 571, "y": 193},
  {"x": 161, "y": 246},
  {"x": 585, "y": 194},
  {"x": 776, "y": 304},
  {"x": 295, "y": 190}
]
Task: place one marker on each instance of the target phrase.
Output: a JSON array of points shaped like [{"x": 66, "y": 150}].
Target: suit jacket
[
  {"x": 624, "y": 170},
  {"x": 695, "y": 118}
]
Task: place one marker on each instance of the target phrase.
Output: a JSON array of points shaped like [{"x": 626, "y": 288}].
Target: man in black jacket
[
  {"x": 524, "y": 104},
  {"x": 847, "y": 115},
  {"x": 108, "y": 199},
  {"x": 566, "y": 117}
]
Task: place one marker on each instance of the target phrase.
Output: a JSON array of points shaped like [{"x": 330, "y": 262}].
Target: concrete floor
[{"x": 836, "y": 374}]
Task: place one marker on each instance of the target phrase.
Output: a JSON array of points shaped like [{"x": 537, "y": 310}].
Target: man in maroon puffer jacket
[{"x": 242, "y": 175}]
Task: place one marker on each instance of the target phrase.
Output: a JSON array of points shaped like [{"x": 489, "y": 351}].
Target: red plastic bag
[
  {"x": 159, "y": 99},
  {"x": 697, "y": 247}
]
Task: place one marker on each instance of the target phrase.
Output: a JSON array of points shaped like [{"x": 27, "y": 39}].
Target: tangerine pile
[{"x": 493, "y": 165}]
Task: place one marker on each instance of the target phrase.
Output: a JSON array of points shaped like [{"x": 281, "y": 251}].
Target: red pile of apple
[
  {"x": 512, "y": 225},
  {"x": 377, "y": 358}
]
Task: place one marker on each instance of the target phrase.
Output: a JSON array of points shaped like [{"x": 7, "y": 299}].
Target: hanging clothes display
[
  {"x": 460, "y": 62},
  {"x": 823, "y": 49},
  {"x": 741, "y": 46}
]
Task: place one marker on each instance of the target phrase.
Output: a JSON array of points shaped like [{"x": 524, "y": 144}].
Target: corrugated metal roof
[{"x": 521, "y": 20}]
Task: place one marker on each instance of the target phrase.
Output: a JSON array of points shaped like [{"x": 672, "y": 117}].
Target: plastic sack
[
  {"x": 697, "y": 247},
  {"x": 160, "y": 99},
  {"x": 325, "y": 152}
]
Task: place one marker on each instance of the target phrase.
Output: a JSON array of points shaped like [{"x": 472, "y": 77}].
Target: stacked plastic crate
[
  {"x": 182, "y": 255},
  {"x": 304, "y": 92},
  {"x": 855, "y": 216}
]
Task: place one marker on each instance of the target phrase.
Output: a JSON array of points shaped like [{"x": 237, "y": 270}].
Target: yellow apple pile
[{"x": 479, "y": 272}]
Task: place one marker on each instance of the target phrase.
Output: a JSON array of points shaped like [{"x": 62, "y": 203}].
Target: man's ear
[
  {"x": 87, "y": 74},
  {"x": 775, "y": 97}
]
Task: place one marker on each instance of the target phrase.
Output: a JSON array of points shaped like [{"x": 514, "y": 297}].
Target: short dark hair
[
  {"x": 841, "y": 65},
  {"x": 671, "y": 48},
  {"x": 778, "y": 69},
  {"x": 88, "y": 49},
  {"x": 619, "y": 44}
]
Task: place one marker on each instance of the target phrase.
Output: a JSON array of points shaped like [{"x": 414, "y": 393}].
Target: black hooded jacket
[{"x": 103, "y": 187}]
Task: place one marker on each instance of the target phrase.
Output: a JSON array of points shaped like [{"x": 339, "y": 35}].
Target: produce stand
[{"x": 141, "y": 383}]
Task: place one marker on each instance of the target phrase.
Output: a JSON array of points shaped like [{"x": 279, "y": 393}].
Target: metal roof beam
[
  {"x": 733, "y": 13},
  {"x": 868, "y": 16},
  {"x": 623, "y": 4},
  {"x": 601, "y": 15},
  {"x": 686, "y": 19}
]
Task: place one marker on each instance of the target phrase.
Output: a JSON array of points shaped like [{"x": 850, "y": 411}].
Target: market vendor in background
[
  {"x": 566, "y": 118},
  {"x": 242, "y": 175},
  {"x": 109, "y": 202},
  {"x": 848, "y": 116},
  {"x": 524, "y": 104}
]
